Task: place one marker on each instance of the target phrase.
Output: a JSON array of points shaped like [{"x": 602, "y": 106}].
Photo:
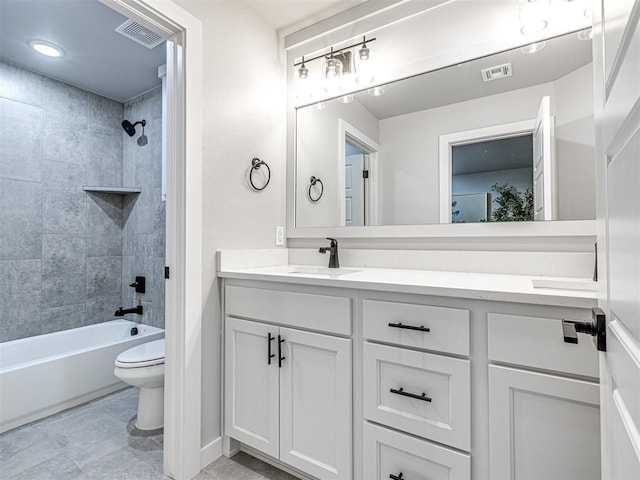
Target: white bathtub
[{"x": 45, "y": 374}]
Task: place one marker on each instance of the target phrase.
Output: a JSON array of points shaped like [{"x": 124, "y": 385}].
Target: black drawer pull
[
  {"x": 270, "y": 338},
  {"x": 280, "y": 357},
  {"x": 394, "y": 477},
  {"x": 421, "y": 328},
  {"x": 401, "y": 391}
]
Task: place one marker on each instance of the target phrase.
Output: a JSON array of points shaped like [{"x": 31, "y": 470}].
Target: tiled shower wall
[
  {"x": 60, "y": 248},
  {"x": 144, "y": 216}
]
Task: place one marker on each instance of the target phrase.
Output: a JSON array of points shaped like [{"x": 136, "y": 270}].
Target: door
[
  {"x": 251, "y": 384},
  {"x": 542, "y": 426},
  {"x": 616, "y": 46},
  {"x": 544, "y": 178},
  {"x": 354, "y": 165},
  {"x": 315, "y": 404}
]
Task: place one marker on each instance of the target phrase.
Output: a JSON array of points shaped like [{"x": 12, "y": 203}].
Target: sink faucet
[
  {"x": 334, "y": 262},
  {"x": 121, "y": 312}
]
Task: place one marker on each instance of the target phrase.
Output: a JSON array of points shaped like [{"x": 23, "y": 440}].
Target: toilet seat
[{"x": 144, "y": 355}]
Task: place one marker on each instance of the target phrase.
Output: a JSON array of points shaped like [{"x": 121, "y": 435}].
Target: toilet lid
[{"x": 146, "y": 354}]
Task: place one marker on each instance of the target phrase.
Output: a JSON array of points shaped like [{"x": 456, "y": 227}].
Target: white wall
[
  {"x": 244, "y": 117},
  {"x": 317, "y": 152},
  {"x": 409, "y": 156},
  {"x": 575, "y": 147}
]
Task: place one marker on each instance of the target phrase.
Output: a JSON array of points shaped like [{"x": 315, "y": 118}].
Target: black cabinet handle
[
  {"x": 421, "y": 328},
  {"x": 398, "y": 477},
  {"x": 280, "y": 357},
  {"x": 270, "y": 339},
  {"x": 400, "y": 391}
]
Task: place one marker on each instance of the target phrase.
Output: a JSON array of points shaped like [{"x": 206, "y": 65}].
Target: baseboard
[{"x": 210, "y": 452}]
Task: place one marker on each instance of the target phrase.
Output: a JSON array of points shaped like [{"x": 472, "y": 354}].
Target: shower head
[{"x": 130, "y": 128}]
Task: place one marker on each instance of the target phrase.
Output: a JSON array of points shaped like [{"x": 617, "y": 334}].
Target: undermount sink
[
  {"x": 312, "y": 270},
  {"x": 565, "y": 284}
]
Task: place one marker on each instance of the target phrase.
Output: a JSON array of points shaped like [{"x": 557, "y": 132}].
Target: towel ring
[
  {"x": 256, "y": 163},
  {"x": 312, "y": 182}
]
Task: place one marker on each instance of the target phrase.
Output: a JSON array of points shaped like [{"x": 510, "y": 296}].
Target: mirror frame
[{"x": 546, "y": 229}]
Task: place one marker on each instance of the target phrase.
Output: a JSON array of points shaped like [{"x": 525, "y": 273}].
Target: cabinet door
[
  {"x": 251, "y": 385},
  {"x": 315, "y": 404},
  {"x": 542, "y": 426}
]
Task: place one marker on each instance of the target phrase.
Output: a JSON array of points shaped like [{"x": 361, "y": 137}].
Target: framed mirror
[{"x": 503, "y": 138}]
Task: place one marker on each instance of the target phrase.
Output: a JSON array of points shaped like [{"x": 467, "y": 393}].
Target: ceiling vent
[
  {"x": 136, "y": 32},
  {"x": 499, "y": 71}
]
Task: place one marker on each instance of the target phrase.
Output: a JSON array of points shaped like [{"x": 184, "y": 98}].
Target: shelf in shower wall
[{"x": 116, "y": 190}]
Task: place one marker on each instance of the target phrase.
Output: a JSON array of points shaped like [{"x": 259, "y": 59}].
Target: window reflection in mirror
[{"x": 423, "y": 123}]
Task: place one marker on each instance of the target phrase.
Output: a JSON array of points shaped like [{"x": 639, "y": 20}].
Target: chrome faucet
[
  {"x": 121, "y": 312},
  {"x": 334, "y": 262}
]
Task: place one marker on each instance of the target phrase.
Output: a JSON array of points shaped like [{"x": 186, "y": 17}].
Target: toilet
[{"x": 143, "y": 366}]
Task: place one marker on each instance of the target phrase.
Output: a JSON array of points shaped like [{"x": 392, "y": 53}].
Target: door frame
[
  {"x": 371, "y": 148},
  {"x": 183, "y": 317},
  {"x": 446, "y": 142}
]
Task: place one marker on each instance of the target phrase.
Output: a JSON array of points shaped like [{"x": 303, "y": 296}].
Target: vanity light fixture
[
  {"x": 376, "y": 91},
  {"x": 346, "y": 98},
  {"x": 46, "y": 48},
  {"x": 533, "y": 15},
  {"x": 532, "y": 48},
  {"x": 336, "y": 68}
]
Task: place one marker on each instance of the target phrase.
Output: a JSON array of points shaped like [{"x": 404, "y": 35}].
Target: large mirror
[{"x": 504, "y": 138}]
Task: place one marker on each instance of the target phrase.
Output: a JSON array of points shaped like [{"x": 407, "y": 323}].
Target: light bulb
[
  {"x": 532, "y": 48},
  {"x": 332, "y": 73},
  {"x": 346, "y": 98},
  {"x": 376, "y": 91},
  {"x": 585, "y": 34},
  {"x": 321, "y": 105}
]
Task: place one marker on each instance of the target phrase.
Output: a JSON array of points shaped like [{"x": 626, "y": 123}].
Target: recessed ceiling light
[
  {"x": 46, "y": 48},
  {"x": 532, "y": 48}
]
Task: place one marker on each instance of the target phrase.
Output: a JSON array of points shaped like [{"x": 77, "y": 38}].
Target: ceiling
[
  {"x": 280, "y": 14},
  {"x": 102, "y": 61},
  {"x": 96, "y": 57},
  {"x": 493, "y": 155},
  {"x": 459, "y": 83}
]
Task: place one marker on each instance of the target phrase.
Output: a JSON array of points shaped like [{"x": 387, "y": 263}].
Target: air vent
[
  {"x": 499, "y": 71},
  {"x": 136, "y": 32}
]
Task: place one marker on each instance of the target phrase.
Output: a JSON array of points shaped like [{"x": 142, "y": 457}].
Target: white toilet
[{"x": 143, "y": 366}]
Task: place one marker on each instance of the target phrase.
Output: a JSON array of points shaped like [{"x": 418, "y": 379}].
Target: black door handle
[
  {"x": 398, "y": 477},
  {"x": 421, "y": 328},
  {"x": 280, "y": 357},
  {"x": 270, "y": 338},
  {"x": 400, "y": 391},
  {"x": 597, "y": 328}
]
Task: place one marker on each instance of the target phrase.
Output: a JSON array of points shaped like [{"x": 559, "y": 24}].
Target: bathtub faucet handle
[{"x": 139, "y": 284}]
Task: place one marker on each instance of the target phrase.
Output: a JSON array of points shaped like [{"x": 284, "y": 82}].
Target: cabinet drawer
[
  {"x": 304, "y": 310},
  {"x": 448, "y": 327},
  {"x": 387, "y": 453},
  {"x": 538, "y": 342},
  {"x": 443, "y": 414}
]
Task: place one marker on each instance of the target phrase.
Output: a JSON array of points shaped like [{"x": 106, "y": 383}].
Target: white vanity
[{"x": 403, "y": 374}]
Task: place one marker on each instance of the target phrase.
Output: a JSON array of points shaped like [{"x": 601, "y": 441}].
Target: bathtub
[{"x": 45, "y": 374}]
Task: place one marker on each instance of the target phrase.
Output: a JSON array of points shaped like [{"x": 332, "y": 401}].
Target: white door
[
  {"x": 252, "y": 384},
  {"x": 617, "y": 87},
  {"x": 315, "y": 404},
  {"x": 544, "y": 177},
  {"x": 354, "y": 189},
  {"x": 542, "y": 426}
]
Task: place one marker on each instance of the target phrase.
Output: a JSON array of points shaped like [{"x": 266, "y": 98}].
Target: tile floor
[{"x": 97, "y": 441}]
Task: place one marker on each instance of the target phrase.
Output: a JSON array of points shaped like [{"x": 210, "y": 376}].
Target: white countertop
[{"x": 482, "y": 286}]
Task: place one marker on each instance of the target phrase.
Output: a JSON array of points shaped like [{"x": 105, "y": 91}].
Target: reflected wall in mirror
[{"x": 508, "y": 137}]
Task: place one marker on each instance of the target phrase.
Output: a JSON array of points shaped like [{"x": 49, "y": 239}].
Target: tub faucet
[
  {"x": 121, "y": 312},
  {"x": 334, "y": 262}
]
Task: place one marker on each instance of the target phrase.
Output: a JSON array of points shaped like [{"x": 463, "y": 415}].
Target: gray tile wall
[
  {"x": 67, "y": 256},
  {"x": 144, "y": 217}
]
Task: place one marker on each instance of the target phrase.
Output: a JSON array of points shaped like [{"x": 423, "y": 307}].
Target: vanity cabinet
[
  {"x": 543, "y": 424},
  {"x": 375, "y": 385},
  {"x": 288, "y": 390}
]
